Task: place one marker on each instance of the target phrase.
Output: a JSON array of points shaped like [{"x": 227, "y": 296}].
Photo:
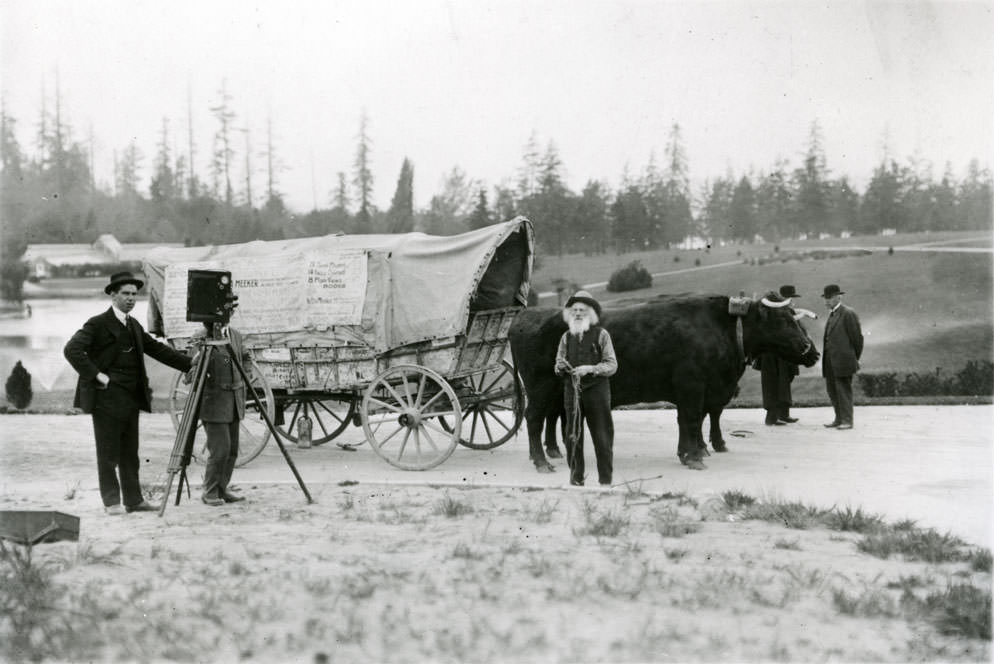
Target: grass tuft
[
  {"x": 452, "y": 507},
  {"x": 736, "y": 500},
  {"x": 597, "y": 523},
  {"x": 667, "y": 522},
  {"x": 791, "y": 514},
  {"x": 980, "y": 560},
  {"x": 851, "y": 520},
  {"x": 924, "y": 545}
]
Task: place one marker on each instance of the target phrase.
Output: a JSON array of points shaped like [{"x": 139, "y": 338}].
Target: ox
[{"x": 686, "y": 349}]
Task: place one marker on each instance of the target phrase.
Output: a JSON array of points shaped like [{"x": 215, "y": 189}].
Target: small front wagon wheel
[{"x": 401, "y": 412}]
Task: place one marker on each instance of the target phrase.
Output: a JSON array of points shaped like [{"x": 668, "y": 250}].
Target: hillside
[{"x": 920, "y": 310}]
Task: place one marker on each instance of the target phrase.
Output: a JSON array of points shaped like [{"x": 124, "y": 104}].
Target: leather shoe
[
  {"x": 114, "y": 510},
  {"x": 143, "y": 506},
  {"x": 231, "y": 498},
  {"x": 212, "y": 501},
  {"x": 832, "y": 425},
  {"x": 844, "y": 425},
  {"x": 777, "y": 423},
  {"x": 788, "y": 420}
]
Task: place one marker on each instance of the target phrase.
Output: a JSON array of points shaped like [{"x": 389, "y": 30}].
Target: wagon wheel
[
  {"x": 254, "y": 434},
  {"x": 400, "y": 414},
  {"x": 328, "y": 416},
  {"x": 494, "y": 407}
]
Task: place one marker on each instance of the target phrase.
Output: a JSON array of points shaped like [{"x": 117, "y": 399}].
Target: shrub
[
  {"x": 631, "y": 277},
  {"x": 19, "y": 387},
  {"x": 974, "y": 379}
]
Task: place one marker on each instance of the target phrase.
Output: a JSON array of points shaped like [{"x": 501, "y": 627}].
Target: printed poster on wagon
[{"x": 277, "y": 294}]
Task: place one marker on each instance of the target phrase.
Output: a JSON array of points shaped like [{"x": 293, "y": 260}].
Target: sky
[{"x": 467, "y": 83}]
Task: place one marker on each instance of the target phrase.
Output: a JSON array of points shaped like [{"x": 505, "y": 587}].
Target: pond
[{"x": 37, "y": 341}]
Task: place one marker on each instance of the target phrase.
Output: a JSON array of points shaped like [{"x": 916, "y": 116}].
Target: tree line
[{"x": 49, "y": 194}]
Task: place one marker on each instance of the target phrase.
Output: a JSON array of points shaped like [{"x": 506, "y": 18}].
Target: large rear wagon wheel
[
  {"x": 401, "y": 411},
  {"x": 329, "y": 416},
  {"x": 253, "y": 435},
  {"x": 493, "y": 407}
]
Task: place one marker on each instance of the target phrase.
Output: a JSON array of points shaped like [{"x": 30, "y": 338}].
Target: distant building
[
  {"x": 79, "y": 260},
  {"x": 824, "y": 236},
  {"x": 888, "y": 231},
  {"x": 845, "y": 234},
  {"x": 692, "y": 242}
]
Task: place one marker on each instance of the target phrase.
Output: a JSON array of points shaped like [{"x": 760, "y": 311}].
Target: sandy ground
[{"x": 483, "y": 559}]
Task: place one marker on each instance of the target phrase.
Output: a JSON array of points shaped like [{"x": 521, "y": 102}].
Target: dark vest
[
  {"x": 585, "y": 349},
  {"x": 125, "y": 370}
]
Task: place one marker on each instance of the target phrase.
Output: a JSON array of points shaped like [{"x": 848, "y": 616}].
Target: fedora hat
[
  {"x": 788, "y": 291},
  {"x": 585, "y": 298},
  {"x": 832, "y": 290},
  {"x": 118, "y": 279}
]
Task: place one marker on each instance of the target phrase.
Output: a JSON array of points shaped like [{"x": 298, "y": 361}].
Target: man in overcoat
[
  {"x": 843, "y": 347},
  {"x": 777, "y": 374},
  {"x": 108, "y": 353}
]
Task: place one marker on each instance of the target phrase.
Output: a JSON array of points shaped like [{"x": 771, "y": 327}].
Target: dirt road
[{"x": 932, "y": 464}]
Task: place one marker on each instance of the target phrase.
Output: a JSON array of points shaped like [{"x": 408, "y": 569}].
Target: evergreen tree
[
  {"x": 592, "y": 224},
  {"x": 742, "y": 211},
  {"x": 362, "y": 178},
  {"x": 223, "y": 150},
  {"x": 975, "y": 198},
  {"x": 480, "y": 217},
  {"x": 811, "y": 200},
  {"x": 774, "y": 201},
  {"x": 528, "y": 173},
  {"x": 400, "y": 217},
  {"x": 161, "y": 187},
  {"x": 505, "y": 205},
  {"x": 881, "y": 206}
]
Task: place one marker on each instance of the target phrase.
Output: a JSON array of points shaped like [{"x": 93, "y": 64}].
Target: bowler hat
[
  {"x": 788, "y": 291},
  {"x": 586, "y": 298},
  {"x": 832, "y": 290},
  {"x": 118, "y": 279}
]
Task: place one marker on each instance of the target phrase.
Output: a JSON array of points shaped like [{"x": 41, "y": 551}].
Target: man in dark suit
[
  {"x": 108, "y": 354},
  {"x": 222, "y": 408},
  {"x": 842, "y": 349}
]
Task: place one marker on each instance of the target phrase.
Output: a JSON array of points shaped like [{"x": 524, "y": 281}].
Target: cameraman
[{"x": 222, "y": 408}]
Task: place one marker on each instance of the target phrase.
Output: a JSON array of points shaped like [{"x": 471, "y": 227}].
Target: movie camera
[{"x": 209, "y": 297}]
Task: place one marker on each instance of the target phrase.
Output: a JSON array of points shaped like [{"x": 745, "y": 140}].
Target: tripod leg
[
  {"x": 187, "y": 431},
  {"x": 269, "y": 423}
]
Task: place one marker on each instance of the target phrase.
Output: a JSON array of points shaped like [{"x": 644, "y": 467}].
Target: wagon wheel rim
[
  {"x": 401, "y": 409},
  {"x": 253, "y": 432},
  {"x": 326, "y": 423},
  {"x": 493, "y": 410}
]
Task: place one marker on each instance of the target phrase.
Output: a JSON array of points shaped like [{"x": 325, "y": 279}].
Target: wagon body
[{"x": 337, "y": 318}]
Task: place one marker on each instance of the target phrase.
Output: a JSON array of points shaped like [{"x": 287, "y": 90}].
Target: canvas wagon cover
[{"x": 381, "y": 291}]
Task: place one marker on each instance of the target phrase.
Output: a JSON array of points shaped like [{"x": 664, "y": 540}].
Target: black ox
[{"x": 684, "y": 349}]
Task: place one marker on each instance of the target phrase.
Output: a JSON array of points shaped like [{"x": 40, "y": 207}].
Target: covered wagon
[{"x": 404, "y": 334}]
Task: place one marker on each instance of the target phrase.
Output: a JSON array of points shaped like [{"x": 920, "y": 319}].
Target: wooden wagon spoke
[
  {"x": 497, "y": 419},
  {"x": 396, "y": 396},
  {"x": 403, "y": 443},
  {"x": 430, "y": 424},
  {"x": 421, "y": 391},
  {"x": 425, "y": 407},
  {"x": 427, "y": 436},
  {"x": 384, "y": 404}
]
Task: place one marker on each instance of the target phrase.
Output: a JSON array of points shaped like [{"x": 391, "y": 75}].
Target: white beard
[{"x": 578, "y": 327}]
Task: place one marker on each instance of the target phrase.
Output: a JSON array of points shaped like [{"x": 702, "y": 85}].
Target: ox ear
[{"x": 739, "y": 305}]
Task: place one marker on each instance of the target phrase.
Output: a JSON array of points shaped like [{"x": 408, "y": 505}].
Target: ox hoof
[
  {"x": 544, "y": 467},
  {"x": 695, "y": 464},
  {"x": 720, "y": 448},
  {"x": 553, "y": 453}
]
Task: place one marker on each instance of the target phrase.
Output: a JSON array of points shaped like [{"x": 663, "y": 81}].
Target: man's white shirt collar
[
  {"x": 836, "y": 307},
  {"x": 121, "y": 316}
]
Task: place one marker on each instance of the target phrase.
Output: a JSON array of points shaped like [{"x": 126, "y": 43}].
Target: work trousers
[
  {"x": 840, "y": 393},
  {"x": 595, "y": 410},
  {"x": 222, "y": 445},
  {"x": 117, "y": 452}
]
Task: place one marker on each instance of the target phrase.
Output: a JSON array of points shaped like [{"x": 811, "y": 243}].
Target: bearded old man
[{"x": 586, "y": 360}]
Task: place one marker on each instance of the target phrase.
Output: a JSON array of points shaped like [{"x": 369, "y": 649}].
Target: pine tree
[
  {"x": 400, "y": 217},
  {"x": 480, "y": 217},
  {"x": 363, "y": 178},
  {"x": 19, "y": 387}
]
